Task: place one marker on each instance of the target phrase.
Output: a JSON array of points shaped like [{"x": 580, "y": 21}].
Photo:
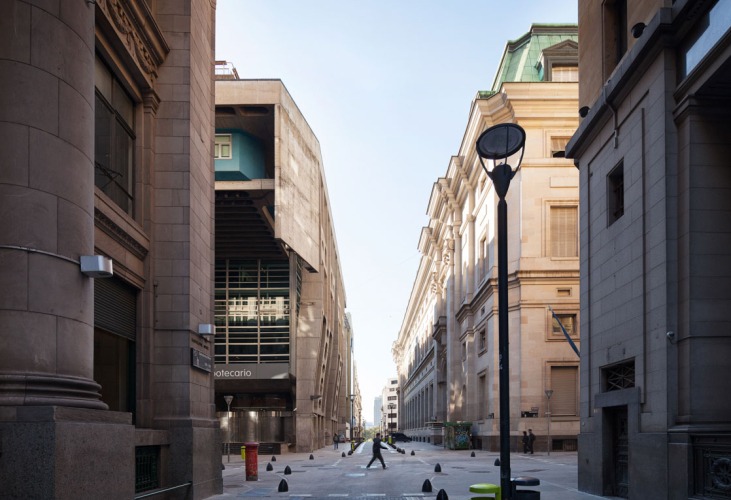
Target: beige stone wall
[{"x": 455, "y": 293}]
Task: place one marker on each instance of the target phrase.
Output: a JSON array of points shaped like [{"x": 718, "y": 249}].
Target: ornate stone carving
[{"x": 136, "y": 29}]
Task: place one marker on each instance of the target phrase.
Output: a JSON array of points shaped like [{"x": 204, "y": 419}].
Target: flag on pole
[{"x": 566, "y": 334}]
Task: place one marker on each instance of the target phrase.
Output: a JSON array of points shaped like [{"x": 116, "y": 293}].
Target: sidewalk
[{"x": 330, "y": 475}]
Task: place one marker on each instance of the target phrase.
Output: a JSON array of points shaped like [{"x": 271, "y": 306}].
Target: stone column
[
  {"x": 46, "y": 206},
  {"x": 58, "y": 440}
]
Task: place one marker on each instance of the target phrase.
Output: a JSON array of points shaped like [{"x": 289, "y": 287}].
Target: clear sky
[{"x": 386, "y": 86}]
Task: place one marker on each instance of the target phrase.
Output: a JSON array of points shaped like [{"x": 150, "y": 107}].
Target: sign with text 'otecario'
[{"x": 252, "y": 371}]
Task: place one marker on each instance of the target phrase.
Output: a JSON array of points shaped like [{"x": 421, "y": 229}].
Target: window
[
  {"x": 569, "y": 323},
  {"x": 615, "y": 34},
  {"x": 464, "y": 351},
  {"x": 564, "y": 401},
  {"x": 482, "y": 340},
  {"x": 482, "y": 398},
  {"x": 392, "y": 398},
  {"x": 615, "y": 194},
  {"x": 708, "y": 32},
  {"x": 222, "y": 148},
  {"x": 620, "y": 376},
  {"x": 252, "y": 312},
  {"x": 564, "y": 237},
  {"x": 483, "y": 257},
  {"x": 565, "y": 73},
  {"x": 114, "y": 138}
]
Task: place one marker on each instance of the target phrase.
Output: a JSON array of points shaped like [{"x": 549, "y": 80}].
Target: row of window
[
  {"x": 563, "y": 400},
  {"x": 252, "y": 311}
]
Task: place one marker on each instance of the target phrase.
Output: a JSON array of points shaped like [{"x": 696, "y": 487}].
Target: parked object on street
[{"x": 400, "y": 436}]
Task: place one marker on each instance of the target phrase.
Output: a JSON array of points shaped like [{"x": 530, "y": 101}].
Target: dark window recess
[
  {"x": 619, "y": 377},
  {"x": 615, "y": 34},
  {"x": 147, "y": 468},
  {"x": 615, "y": 194}
]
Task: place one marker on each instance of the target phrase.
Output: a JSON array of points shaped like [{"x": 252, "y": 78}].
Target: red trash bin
[{"x": 252, "y": 461}]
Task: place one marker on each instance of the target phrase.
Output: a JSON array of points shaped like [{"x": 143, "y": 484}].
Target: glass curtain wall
[{"x": 252, "y": 309}]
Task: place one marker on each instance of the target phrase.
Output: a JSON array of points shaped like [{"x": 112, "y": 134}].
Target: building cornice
[{"x": 137, "y": 31}]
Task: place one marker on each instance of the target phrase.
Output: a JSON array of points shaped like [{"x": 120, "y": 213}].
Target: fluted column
[{"x": 46, "y": 205}]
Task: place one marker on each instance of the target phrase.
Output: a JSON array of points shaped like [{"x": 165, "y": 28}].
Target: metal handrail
[{"x": 163, "y": 490}]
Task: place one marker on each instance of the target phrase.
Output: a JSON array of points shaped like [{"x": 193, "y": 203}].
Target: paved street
[{"x": 329, "y": 475}]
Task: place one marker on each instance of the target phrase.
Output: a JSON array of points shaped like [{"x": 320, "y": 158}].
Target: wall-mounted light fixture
[
  {"x": 96, "y": 266},
  {"x": 205, "y": 329},
  {"x": 315, "y": 396}
]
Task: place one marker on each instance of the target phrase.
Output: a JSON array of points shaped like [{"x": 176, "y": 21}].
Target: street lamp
[
  {"x": 549, "y": 393},
  {"x": 498, "y": 144},
  {"x": 228, "y": 425},
  {"x": 352, "y": 399}
]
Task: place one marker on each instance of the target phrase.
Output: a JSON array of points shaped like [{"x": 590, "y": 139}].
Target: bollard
[
  {"x": 442, "y": 495},
  {"x": 274, "y": 459},
  {"x": 312, "y": 457},
  {"x": 243, "y": 453},
  {"x": 497, "y": 462},
  {"x": 269, "y": 467},
  {"x": 412, "y": 453},
  {"x": 472, "y": 454},
  {"x": 426, "y": 487},
  {"x": 252, "y": 461},
  {"x": 438, "y": 468},
  {"x": 287, "y": 471},
  {"x": 283, "y": 486},
  {"x": 343, "y": 455}
]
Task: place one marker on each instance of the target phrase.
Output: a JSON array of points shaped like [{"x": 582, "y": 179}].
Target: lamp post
[
  {"x": 549, "y": 393},
  {"x": 352, "y": 399},
  {"x": 498, "y": 144},
  {"x": 228, "y": 425}
]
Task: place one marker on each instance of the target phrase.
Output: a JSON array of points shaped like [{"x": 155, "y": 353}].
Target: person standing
[
  {"x": 377, "y": 451},
  {"x": 525, "y": 442},
  {"x": 335, "y": 441},
  {"x": 531, "y": 440}
]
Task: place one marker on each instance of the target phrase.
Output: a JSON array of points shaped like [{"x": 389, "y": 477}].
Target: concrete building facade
[
  {"x": 447, "y": 348},
  {"x": 653, "y": 156},
  {"x": 106, "y": 138},
  {"x": 283, "y": 343}
]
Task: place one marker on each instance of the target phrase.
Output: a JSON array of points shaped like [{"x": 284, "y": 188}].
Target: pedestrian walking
[
  {"x": 335, "y": 441},
  {"x": 531, "y": 440},
  {"x": 377, "y": 451},
  {"x": 525, "y": 442}
]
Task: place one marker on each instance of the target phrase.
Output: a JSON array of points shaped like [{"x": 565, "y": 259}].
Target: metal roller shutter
[
  {"x": 564, "y": 381},
  {"x": 115, "y": 307}
]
